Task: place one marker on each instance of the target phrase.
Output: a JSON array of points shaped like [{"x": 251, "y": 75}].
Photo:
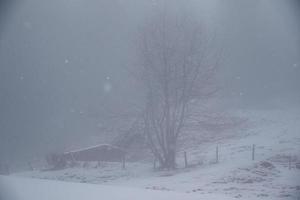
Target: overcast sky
[{"x": 63, "y": 63}]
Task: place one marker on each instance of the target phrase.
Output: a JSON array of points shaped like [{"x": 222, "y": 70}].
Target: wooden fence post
[
  {"x": 253, "y": 151},
  {"x": 185, "y": 160},
  {"x": 123, "y": 162},
  {"x": 290, "y": 162},
  {"x": 30, "y": 166},
  {"x": 217, "y": 154},
  {"x": 7, "y": 169}
]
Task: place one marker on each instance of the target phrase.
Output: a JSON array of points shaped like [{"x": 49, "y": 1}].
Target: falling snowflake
[
  {"x": 107, "y": 87},
  {"x": 27, "y": 25},
  {"x": 154, "y": 3},
  {"x": 72, "y": 110},
  {"x": 99, "y": 125}
]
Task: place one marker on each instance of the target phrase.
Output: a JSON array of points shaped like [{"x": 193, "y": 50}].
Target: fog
[{"x": 64, "y": 64}]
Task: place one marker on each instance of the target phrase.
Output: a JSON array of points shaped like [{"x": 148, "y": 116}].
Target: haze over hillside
[{"x": 63, "y": 64}]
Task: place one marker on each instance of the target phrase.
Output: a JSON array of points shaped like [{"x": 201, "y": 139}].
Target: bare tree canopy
[{"x": 173, "y": 52}]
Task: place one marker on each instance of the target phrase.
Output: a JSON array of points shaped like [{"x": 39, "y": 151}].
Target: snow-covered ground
[
  {"x": 12, "y": 188},
  {"x": 274, "y": 174}
]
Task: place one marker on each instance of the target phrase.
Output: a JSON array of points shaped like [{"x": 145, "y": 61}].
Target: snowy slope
[{"x": 272, "y": 175}]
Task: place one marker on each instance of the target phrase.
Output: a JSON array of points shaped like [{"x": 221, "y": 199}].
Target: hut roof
[{"x": 99, "y": 146}]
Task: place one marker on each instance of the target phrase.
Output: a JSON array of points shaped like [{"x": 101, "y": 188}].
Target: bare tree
[{"x": 174, "y": 72}]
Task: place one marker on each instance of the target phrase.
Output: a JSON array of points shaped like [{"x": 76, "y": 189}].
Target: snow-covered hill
[{"x": 273, "y": 174}]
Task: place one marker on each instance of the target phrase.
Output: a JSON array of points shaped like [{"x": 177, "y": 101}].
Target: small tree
[{"x": 174, "y": 72}]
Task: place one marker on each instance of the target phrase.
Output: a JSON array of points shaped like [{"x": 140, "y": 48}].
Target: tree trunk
[{"x": 168, "y": 161}]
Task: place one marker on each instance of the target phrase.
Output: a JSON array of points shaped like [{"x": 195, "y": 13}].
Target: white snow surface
[
  {"x": 13, "y": 188},
  {"x": 274, "y": 174}
]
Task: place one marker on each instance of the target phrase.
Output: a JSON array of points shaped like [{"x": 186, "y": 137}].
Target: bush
[{"x": 56, "y": 161}]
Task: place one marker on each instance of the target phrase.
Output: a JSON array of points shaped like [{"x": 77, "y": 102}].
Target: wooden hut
[{"x": 101, "y": 152}]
